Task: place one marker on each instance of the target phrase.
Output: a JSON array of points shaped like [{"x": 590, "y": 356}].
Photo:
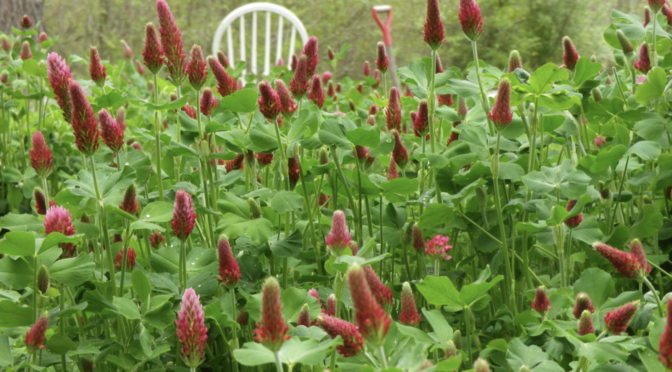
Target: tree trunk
[{"x": 11, "y": 12}]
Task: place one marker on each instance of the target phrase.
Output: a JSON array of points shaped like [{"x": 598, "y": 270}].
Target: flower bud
[
  {"x": 597, "y": 94},
  {"x": 481, "y": 365},
  {"x": 26, "y": 52},
  {"x": 451, "y": 350},
  {"x": 409, "y": 313},
  {"x": 304, "y": 316},
  {"x": 616, "y": 321},
  {"x": 255, "y": 209},
  {"x": 26, "y": 22},
  {"x": 197, "y": 68},
  {"x": 501, "y": 114},
  {"x": 643, "y": 62},
  {"x": 42, "y": 38},
  {"x": 382, "y": 61},
  {"x": 626, "y": 45},
  {"x": 434, "y": 34},
  {"x": 586, "y": 323},
  {"x": 128, "y": 52},
  {"x": 514, "y": 61},
  {"x": 229, "y": 271},
  {"x": 541, "y": 302},
  {"x": 43, "y": 279},
  {"x": 97, "y": 70},
  {"x": 569, "y": 56}
]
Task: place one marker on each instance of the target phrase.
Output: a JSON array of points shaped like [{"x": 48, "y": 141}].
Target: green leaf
[
  {"x": 126, "y": 307},
  {"x": 435, "y": 215},
  {"x": 471, "y": 292},
  {"x": 253, "y": 354},
  {"x": 141, "y": 286},
  {"x": 607, "y": 158},
  {"x": 60, "y": 345},
  {"x": 572, "y": 183},
  {"x": 293, "y": 300},
  {"x": 649, "y": 222},
  {"x": 288, "y": 247},
  {"x": 440, "y": 291},
  {"x": 449, "y": 365},
  {"x": 6, "y": 357},
  {"x": 72, "y": 271},
  {"x": 18, "y": 243},
  {"x": 364, "y": 137},
  {"x": 597, "y": 283},
  {"x": 545, "y": 76},
  {"x": 602, "y": 352},
  {"x": 286, "y": 201},
  {"x": 585, "y": 70},
  {"x": 333, "y": 133},
  {"x": 55, "y": 238},
  {"x": 401, "y": 186},
  {"x": 653, "y": 88},
  {"x": 263, "y": 137},
  {"x": 647, "y": 150},
  {"x": 518, "y": 355},
  {"x": 442, "y": 330},
  {"x": 157, "y": 212},
  {"x": 650, "y": 361},
  {"x": 14, "y": 315},
  {"x": 308, "y": 352},
  {"x": 244, "y": 100},
  {"x": 21, "y": 222}
]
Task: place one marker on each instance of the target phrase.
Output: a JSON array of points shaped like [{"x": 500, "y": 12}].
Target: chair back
[{"x": 235, "y": 23}]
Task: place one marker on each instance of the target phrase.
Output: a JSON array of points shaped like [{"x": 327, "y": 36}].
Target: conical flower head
[
  {"x": 221, "y": 57},
  {"x": 236, "y": 164},
  {"x": 471, "y": 19},
  {"x": 339, "y": 236},
  {"x": 40, "y": 201},
  {"x": 392, "y": 173},
  {"x": 586, "y": 323},
  {"x": 445, "y": 99},
  {"x": 625, "y": 263},
  {"x": 40, "y": 155},
  {"x": 59, "y": 79},
  {"x": 581, "y": 304},
  {"x": 26, "y": 22},
  {"x": 272, "y": 331},
  {"x": 269, "y": 101},
  {"x": 293, "y": 170},
  {"x": 616, "y": 321},
  {"x": 393, "y": 111},
  {"x": 316, "y": 92},
  {"x": 197, "y": 69},
  {"x": 399, "y": 153},
  {"x": 361, "y": 153},
  {"x": 156, "y": 240},
  {"x": 304, "y": 316},
  {"x": 501, "y": 114},
  {"x": 331, "y": 305},
  {"x": 353, "y": 341},
  {"x": 264, "y": 159},
  {"x": 643, "y": 63},
  {"x": 84, "y": 121},
  {"x": 656, "y": 5},
  {"x": 665, "y": 345},
  {"x": 184, "y": 216},
  {"x": 418, "y": 242},
  {"x": 421, "y": 121},
  {"x": 575, "y": 221},
  {"x": 288, "y": 106},
  {"x": 229, "y": 272},
  {"x": 130, "y": 258},
  {"x": 299, "y": 84},
  {"x": 97, "y": 70},
  {"x": 130, "y": 202},
  {"x": 26, "y": 52},
  {"x": 382, "y": 61},
  {"x": 208, "y": 102},
  {"x": 35, "y": 336},
  {"x": 637, "y": 251},
  {"x": 191, "y": 329},
  {"x": 313, "y": 292},
  {"x": 310, "y": 51},
  {"x": 226, "y": 84},
  {"x": 152, "y": 52},
  {"x": 371, "y": 320},
  {"x": 626, "y": 45},
  {"x": 112, "y": 133},
  {"x": 43, "y": 279},
  {"x": 171, "y": 42},
  {"x": 128, "y": 52},
  {"x": 541, "y": 302},
  {"x": 381, "y": 292},
  {"x": 514, "y": 61},
  {"x": 409, "y": 313},
  {"x": 58, "y": 219},
  {"x": 481, "y": 365},
  {"x": 569, "y": 56},
  {"x": 434, "y": 34}
]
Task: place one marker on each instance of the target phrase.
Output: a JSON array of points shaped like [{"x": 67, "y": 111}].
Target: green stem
[
  {"x": 234, "y": 331},
  {"x": 35, "y": 289},
  {"x": 103, "y": 222},
  {"x": 157, "y": 138},
  {"x": 278, "y": 363},
  {"x": 182, "y": 273},
  {"x": 467, "y": 326},
  {"x": 484, "y": 98},
  {"x": 351, "y": 200},
  {"x": 309, "y": 208},
  {"x": 502, "y": 229},
  {"x": 383, "y": 357},
  {"x": 654, "y": 52},
  {"x": 61, "y": 324},
  {"x": 431, "y": 99},
  {"x": 655, "y": 295},
  {"x": 620, "y": 189},
  {"x": 283, "y": 156}
]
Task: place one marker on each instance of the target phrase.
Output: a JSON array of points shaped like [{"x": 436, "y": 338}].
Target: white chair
[{"x": 255, "y": 8}]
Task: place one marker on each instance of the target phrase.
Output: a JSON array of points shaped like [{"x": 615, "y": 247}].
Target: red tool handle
[{"x": 386, "y": 28}]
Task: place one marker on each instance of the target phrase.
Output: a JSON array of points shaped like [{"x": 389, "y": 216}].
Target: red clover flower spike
[
  {"x": 40, "y": 201},
  {"x": 130, "y": 202},
  {"x": 184, "y": 216},
  {"x": 371, "y": 320},
  {"x": 272, "y": 330},
  {"x": 40, "y": 155},
  {"x": 35, "y": 336},
  {"x": 111, "y": 131},
  {"x": 310, "y": 51},
  {"x": 409, "y": 312},
  {"x": 514, "y": 61},
  {"x": 643, "y": 63},
  {"x": 541, "y": 302},
  {"x": 26, "y": 52},
  {"x": 229, "y": 272},
  {"x": 84, "y": 122},
  {"x": 665, "y": 345},
  {"x": 208, "y": 102},
  {"x": 616, "y": 321},
  {"x": 152, "y": 52},
  {"x": 339, "y": 237},
  {"x": 501, "y": 114},
  {"x": 353, "y": 341},
  {"x": 59, "y": 79},
  {"x": 434, "y": 34},
  {"x": 471, "y": 19},
  {"x": 197, "y": 69},
  {"x": 586, "y": 323},
  {"x": 171, "y": 41},
  {"x": 299, "y": 84},
  {"x": 269, "y": 101},
  {"x": 316, "y": 92},
  {"x": 393, "y": 110},
  {"x": 191, "y": 329},
  {"x": 381, "y": 292},
  {"x": 130, "y": 258},
  {"x": 58, "y": 219},
  {"x": 421, "y": 121},
  {"x": 573, "y": 222},
  {"x": 382, "y": 61},
  {"x": 569, "y": 56},
  {"x": 438, "y": 247},
  {"x": 97, "y": 70},
  {"x": 286, "y": 100},
  {"x": 226, "y": 84}
]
